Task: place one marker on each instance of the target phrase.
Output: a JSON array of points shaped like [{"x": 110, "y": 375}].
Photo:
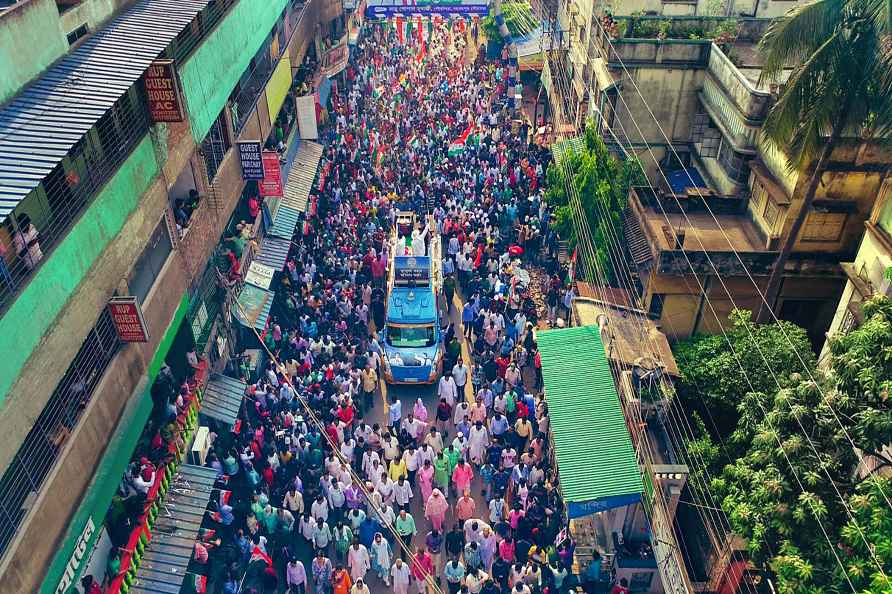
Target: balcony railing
[
  {"x": 675, "y": 262},
  {"x": 46, "y": 215}
]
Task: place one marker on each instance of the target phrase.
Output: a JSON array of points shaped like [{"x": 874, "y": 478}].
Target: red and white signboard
[
  {"x": 163, "y": 92},
  {"x": 127, "y": 317},
  {"x": 271, "y": 185}
]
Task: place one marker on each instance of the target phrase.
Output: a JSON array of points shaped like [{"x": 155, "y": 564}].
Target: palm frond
[
  {"x": 879, "y": 11},
  {"x": 797, "y": 34},
  {"x": 811, "y": 100}
]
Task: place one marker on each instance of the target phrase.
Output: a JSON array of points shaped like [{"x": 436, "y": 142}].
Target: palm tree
[{"x": 841, "y": 84}]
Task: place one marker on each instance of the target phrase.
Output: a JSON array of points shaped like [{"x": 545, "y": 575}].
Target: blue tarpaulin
[
  {"x": 681, "y": 179},
  {"x": 324, "y": 90}
]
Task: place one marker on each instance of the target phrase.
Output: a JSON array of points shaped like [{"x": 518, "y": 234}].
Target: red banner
[
  {"x": 271, "y": 185},
  {"x": 162, "y": 92},
  {"x": 127, "y": 317}
]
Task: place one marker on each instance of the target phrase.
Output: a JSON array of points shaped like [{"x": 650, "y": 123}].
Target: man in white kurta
[
  {"x": 399, "y": 573},
  {"x": 358, "y": 561},
  {"x": 478, "y": 440}
]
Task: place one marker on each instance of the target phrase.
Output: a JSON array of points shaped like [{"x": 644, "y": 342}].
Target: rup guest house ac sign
[
  {"x": 127, "y": 318},
  {"x": 162, "y": 92}
]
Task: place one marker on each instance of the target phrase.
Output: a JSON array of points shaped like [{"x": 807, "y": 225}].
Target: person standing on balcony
[{"x": 26, "y": 243}]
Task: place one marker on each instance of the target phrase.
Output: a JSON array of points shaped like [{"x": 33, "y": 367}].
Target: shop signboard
[
  {"x": 260, "y": 275},
  {"x": 250, "y": 154},
  {"x": 162, "y": 92},
  {"x": 335, "y": 58},
  {"x": 127, "y": 317},
  {"x": 306, "y": 117},
  {"x": 383, "y": 9},
  {"x": 277, "y": 88},
  {"x": 77, "y": 557},
  {"x": 271, "y": 184}
]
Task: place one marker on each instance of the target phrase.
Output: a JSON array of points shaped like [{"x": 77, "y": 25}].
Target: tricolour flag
[
  {"x": 258, "y": 555},
  {"x": 458, "y": 145}
]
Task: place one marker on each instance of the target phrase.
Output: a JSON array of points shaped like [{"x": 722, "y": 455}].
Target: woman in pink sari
[
  {"x": 426, "y": 479},
  {"x": 435, "y": 509},
  {"x": 420, "y": 411}
]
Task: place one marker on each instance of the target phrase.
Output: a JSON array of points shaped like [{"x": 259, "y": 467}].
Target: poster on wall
[
  {"x": 127, "y": 317},
  {"x": 250, "y": 154},
  {"x": 162, "y": 92},
  {"x": 271, "y": 184},
  {"x": 334, "y": 59},
  {"x": 306, "y": 117}
]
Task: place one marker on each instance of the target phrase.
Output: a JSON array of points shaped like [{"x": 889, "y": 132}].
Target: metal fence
[{"x": 38, "y": 454}]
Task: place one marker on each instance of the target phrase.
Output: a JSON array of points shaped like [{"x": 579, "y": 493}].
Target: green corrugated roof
[{"x": 592, "y": 445}]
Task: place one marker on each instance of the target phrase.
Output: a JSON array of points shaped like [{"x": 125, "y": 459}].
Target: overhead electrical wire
[
  {"x": 749, "y": 276},
  {"x": 721, "y": 281}
]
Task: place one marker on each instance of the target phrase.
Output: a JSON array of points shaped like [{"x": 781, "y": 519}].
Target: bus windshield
[{"x": 410, "y": 336}]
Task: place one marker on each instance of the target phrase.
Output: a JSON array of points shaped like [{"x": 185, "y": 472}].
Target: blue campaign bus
[{"x": 411, "y": 337}]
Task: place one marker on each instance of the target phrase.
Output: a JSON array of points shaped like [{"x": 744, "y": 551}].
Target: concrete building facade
[
  {"x": 661, "y": 89},
  {"x": 74, "y": 398}
]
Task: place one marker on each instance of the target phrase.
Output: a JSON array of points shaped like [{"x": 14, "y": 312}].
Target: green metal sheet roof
[{"x": 592, "y": 445}]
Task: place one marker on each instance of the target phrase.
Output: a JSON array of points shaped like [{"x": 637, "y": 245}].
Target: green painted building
[{"x": 89, "y": 190}]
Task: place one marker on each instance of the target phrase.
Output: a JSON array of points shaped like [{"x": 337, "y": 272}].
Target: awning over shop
[
  {"x": 284, "y": 222},
  {"x": 252, "y": 307},
  {"x": 301, "y": 175},
  {"x": 223, "y": 398},
  {"x": 274, "y": 252},
  {"x": 163, "y": 565},
  {"x": 41, "y": 125},
  {"x": 596, "y": 462}
]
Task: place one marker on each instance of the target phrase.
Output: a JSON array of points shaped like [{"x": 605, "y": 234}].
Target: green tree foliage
[
  {"x": 602, "y": 183},
  {"x": 716, "y": 377},
  {"x": 797, "y": 492},
  {"x": 518, "y": 16}
]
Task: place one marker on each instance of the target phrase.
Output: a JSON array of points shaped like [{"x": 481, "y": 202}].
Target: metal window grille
[
  {"x": 150, "y": 262},
  {"x": 711, "y": 143},
  {"x": 203, "y": 23},
  {"x": 215, "y": 145},
  {"x": 295, "y": 11},
  {"x": 40, "y": 451},
  {"x": 251, "y": 84},
  {"x": 734, "y": 164},
  {"x": 701, "y": 123},
  {"x": 43, "y": 218},
  {"x": 205, "y": 305}
]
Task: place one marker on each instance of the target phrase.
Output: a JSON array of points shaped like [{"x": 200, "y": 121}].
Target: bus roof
[{"x": 411, "y": 305}]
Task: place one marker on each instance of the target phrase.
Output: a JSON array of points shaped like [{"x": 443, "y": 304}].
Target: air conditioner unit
[{"x": 198, "y": 455}]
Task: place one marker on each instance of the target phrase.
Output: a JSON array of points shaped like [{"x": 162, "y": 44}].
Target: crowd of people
[{"x": 331, "y": 490}]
